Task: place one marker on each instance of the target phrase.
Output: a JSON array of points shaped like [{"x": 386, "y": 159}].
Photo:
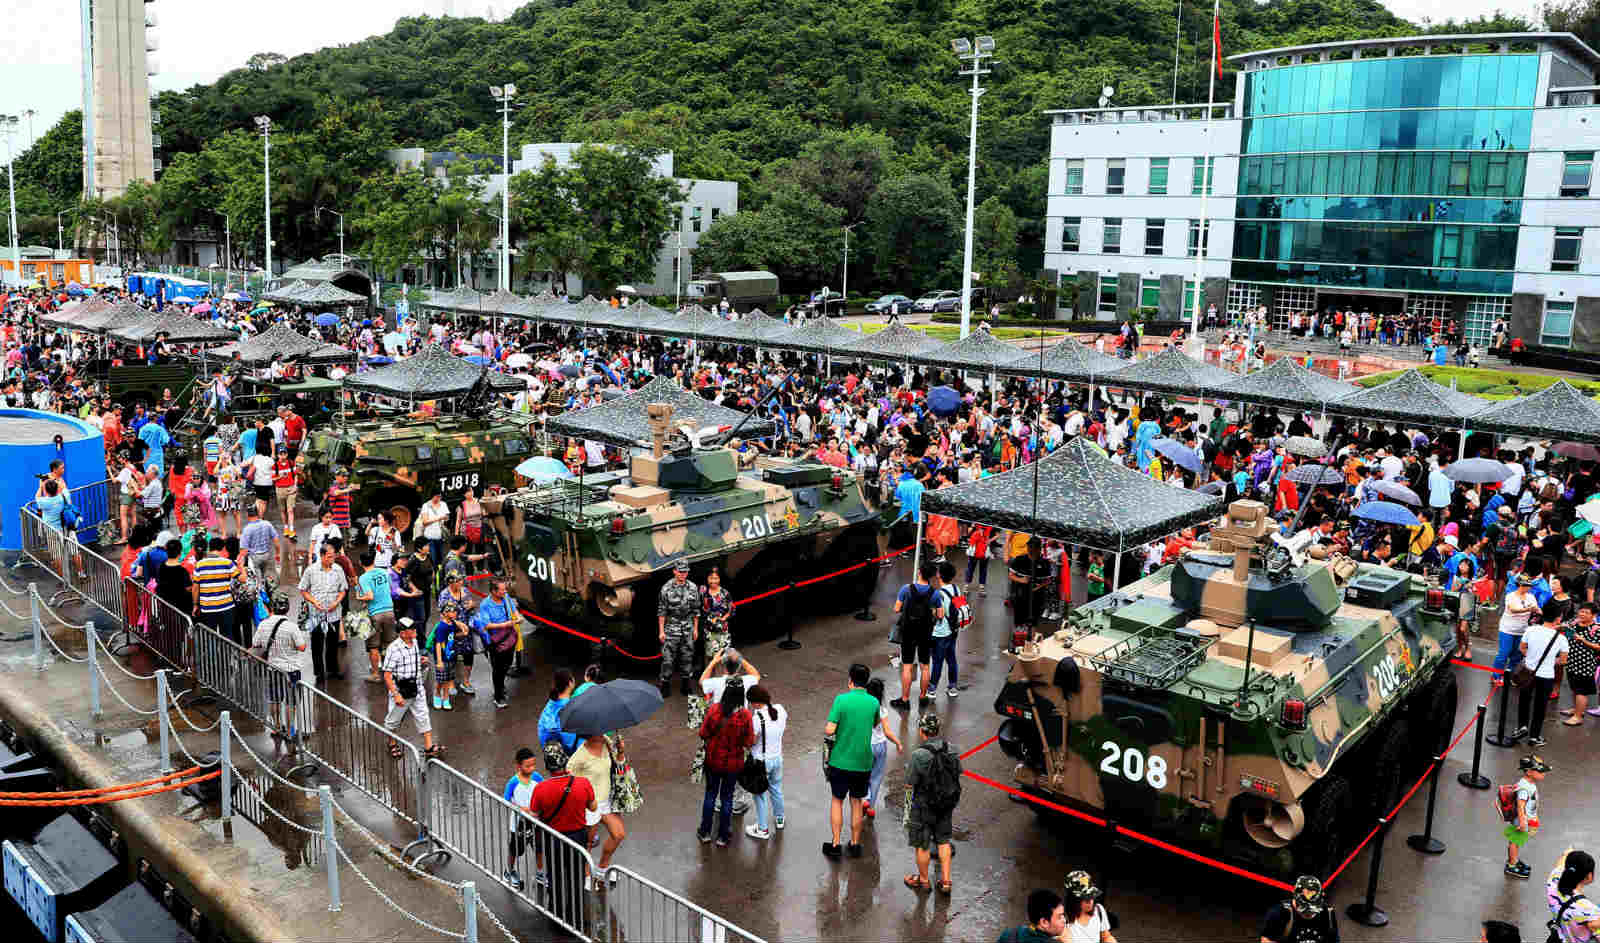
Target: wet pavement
[{"x": 784, "y": 889}]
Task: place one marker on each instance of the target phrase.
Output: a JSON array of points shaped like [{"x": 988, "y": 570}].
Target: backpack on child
[
  {"x": 958, "y": 610},
  {"x": 942, "y": 790}
]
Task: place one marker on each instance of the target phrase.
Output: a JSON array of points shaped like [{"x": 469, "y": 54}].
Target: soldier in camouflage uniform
[{"x": 678, "y": 614}]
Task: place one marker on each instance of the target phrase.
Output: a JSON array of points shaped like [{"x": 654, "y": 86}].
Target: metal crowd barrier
[
  {"x": 96, "y": 504},
  {"x": 241, "y": 678},
  {"x": 493, "y": 836},
  {"x": 637, "y": 908},
  {"x": 102, "y": 584},
  {"x": 359, "y": 751}
]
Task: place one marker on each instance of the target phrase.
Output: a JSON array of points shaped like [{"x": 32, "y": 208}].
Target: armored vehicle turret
[{"x": 1258, "y": 700}]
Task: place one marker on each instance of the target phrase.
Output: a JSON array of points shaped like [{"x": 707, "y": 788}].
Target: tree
[
  {"x": 390, "y": 218},
  {"x": 913, "y": 222},
  {"x": 994, "y": 240},
  {"x": 624, "y": 213},
  {"x": 1581, "y": 17},
  {"x": 545, "y": 216},
  {"x": 795, "y": 236},
  {"x": 843, "y": 168}
]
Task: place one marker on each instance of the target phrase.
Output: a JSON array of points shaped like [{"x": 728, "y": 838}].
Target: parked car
[
  {"x": 885, "y": 303},
  {"x": 933, "y": 299},
  {"x": 824, "y": 304}
]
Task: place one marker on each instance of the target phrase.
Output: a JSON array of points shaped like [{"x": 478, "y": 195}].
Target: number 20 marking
[
  {"x": 753, "y": 527},
  {"x": 1134, "y": 766}
]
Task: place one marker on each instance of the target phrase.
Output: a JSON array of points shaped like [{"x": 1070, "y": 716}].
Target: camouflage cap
[
  {"x": 1535, "y": 763},
  {"x": 1309, "y": 897},
  {"x": 929, "y": 724},
  {"x": 1081, "y": 886},
  {"x": 681, "y": 566}
]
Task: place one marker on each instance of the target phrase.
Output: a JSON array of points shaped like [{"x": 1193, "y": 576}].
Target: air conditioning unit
[
  {"x": 152, "y": 42},
  {"x": 157, "y": 165},
  {"x": 155, "y": 141},
  {"x": 152, "y": 66},
  {"x": 150, "y": 18}
]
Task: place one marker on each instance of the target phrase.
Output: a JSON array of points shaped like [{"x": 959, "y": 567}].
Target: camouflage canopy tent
[
  {"x": 755, "y": 329},
  {"x": 623, "y": 421},
  {"x": 279, "y": 342},
  {"x": 979, "y": 351},
  {"x": 1070, "y": 361},
  {"x": 289, "y": 291},
  {"x": 1411, "y": 397},
  {"x": 120, "y": 315},
  {"x": 71, "y": 315},
  {"x": 1173, "y": 373},
  {"x": 896, "y": 344},
  {"x": 432, "y": 373},
  {"x": 1286, "y": 382},
  {"x": 1083, "y": 497},
  {"x": 817, "y": 336},
  {"x": 1559, "y": 410},
  {"x": 179, "y": 328}
]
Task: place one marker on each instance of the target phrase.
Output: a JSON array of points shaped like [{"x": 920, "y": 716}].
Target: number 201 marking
[
  {"x": 1134, "y": 766},
  {"x": 753, "y": 527}
]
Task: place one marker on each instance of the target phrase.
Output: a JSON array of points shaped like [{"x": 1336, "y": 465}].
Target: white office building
[{"x": 1444, "y": 175}]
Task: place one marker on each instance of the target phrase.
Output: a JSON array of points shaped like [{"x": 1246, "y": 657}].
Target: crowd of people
[{"x": 211, "y": 533}]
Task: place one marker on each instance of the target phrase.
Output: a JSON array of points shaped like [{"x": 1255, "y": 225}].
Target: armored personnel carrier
[
  {"x": 1252, "y": 701},
  {"x": 398, "y": 463},
  {"x": 595, "y": 552}
]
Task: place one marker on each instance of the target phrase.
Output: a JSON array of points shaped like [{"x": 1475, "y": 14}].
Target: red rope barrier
[
  {"x": 71, "y": 793},
  {"x": 1351, "y": 857},
  {"x": 1195, "y": 856},
  {"x": 979, "y": 748},
  {"x": 771, "y": 592},
  {"x": 111, "y": 797},
  {"x": 1064, "y": 810},
  {"x": 1468, "y": 664}
]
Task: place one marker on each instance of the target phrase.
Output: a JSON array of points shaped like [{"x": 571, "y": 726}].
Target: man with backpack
[
  {"x": 956, "y": 615},
  {"x": 920, "y": 605},
  {"x": 933, "y": 790}
]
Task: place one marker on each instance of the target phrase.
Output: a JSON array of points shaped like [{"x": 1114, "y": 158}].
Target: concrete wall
[{"x": 122, "y": 144}]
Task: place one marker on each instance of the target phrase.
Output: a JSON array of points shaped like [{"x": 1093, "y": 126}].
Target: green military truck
[{"x": 744, "y": 291}]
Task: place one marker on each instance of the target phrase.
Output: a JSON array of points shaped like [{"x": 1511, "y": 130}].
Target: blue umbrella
[
  {"x": 479, "y": 360},
  {"x": 542, "y": 468},
  {"x": 1385, "y": 512},
  {"x": 380, "y": 361},
  {"x": 327, "y": 320},
  {"x": 944, "y": 401},
  {"x": 1180, "y": 454}
]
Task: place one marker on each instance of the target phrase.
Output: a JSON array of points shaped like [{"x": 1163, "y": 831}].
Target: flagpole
[
  {"x": 1206, "y": 177},
  {"x": 1177, "y": 44}
]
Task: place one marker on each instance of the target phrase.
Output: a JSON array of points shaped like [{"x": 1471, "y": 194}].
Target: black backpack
[
  {"x": 942, "y": 789},
  {"x": 916, "y": 619}
]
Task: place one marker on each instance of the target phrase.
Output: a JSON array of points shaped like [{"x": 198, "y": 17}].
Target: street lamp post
[
  {"x": 973, "y": 53},
  {"x": 8, "y": 124},
  {"x": 844, "y": 288},
  {"x": 504, "y": 94},
  {"x": 60, "y": 247},
  {"x": 227, "y": 250},
  {"x": 29, "y": 113},
  {"x": 265, "y": 125},
  {"x": 319, "y": 212}
]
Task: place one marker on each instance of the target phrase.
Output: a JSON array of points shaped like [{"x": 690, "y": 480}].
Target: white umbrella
[
  {"x": 1590, "y": 511},
  {"x": 518, "y": 361}
]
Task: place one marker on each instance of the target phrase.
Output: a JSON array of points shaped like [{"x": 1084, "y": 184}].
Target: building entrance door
[{"x": 1380, "y": 304}]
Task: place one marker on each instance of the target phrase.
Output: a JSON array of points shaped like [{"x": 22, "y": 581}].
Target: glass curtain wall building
[{"x": 1444, "y": 176}]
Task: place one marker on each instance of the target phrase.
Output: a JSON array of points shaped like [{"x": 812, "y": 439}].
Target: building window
[
  {"x": 1482, "y": 312},
  {"x": 694, "y": 219},
  {"x": 1074, "y": 177},
  {"x": 1205, "y": 172},
  {"x": 1557, "y": 328},
  {"x": 1071, "y": 233},
  {"x": 1158, "y": 175},
  {"x": 1569, "y": 247},
  {"x": 1150, "y": 294},
  {"x": 1155, "y": 236},
  {"x": 1113, "y": 240},
  {"x": 1108, "y": 296},
  {"x": 716, "y": 213},
  {"x": 1196, "y": 242},
  {"x": 1291, "y": 299},
  {"x": 1242, "y": 297},
  {"x": 1116, "y": 173},
  {"x": 1575, "y": 175}
]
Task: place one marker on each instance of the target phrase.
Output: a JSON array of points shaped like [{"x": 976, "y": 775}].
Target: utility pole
[
  {"x": 504, "y": 94},
  {"x": 844, "y": 289},
  {"x": 265, "y": 124},
  {"x": 973, "y": 52},
  {"x": 227, "y": 252},
  {"x": 8, "y": 123}
]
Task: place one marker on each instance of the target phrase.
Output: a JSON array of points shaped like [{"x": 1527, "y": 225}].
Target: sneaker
[
  {"x": 1593, "y": 712},
  {"x": 829, "y": 850},
  {"x": 588, "y": 883},
  {"x": 466, "y": 688},
  {"x": 514, "y": 879},
  {"x": 438, "y": 704},
  {"x": 542, "y": 879},
  {"x": 754, "y": 831},
  {"x": 705, "y": 837},
  {"x": 1519, "y": 733},
  {"x": 501, "y": 703},
  {"x": 951, "y": 692},
  {"x": 741, "y": 806},
  {"x": 779, "y": 824},
  {"x": 900, "y": 704},
  {"x": 446, "y": 705},
  {"x": 1536, "y": 741},
  {"x": 853, "y": 850},
  {"x": 1519, "y": 870},
  {"x": 722, "y": 842}
]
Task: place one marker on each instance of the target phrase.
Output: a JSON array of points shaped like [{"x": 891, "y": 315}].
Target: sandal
[
  {"x": 436, "y": 750},
  {"x": 945, "y": 887},
  {"x": 916, "y": 883},
  {"x": 395, "y": 751},
  {"x": 1572, "y": 723}
]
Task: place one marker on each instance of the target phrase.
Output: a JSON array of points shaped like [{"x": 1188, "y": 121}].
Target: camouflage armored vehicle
[
  {"x": 595, "y": 552},
  {"x": 1252, "y": 701},
  {"x": 398, "y": 463}
]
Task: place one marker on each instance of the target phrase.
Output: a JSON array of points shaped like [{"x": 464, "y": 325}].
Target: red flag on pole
[{"x": 1216, "y": 41}]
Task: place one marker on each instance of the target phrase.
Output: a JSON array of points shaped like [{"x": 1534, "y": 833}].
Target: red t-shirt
[
  {"x": 283, "y": 472},
  {"x": 546, "y": 804},
  {"x": 294, "y": 429}
]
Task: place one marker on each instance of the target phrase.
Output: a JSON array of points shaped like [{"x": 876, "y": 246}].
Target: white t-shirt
[
  {"x": 713, "y": 687},
  {"x": 260, "y": 470},
  {"x": 125, "y": 479},
  {"x": 774, "y": 731},
  {"x": 878, "y": 736},
  {"x": 1536, "y": 638},
  {"x": 1515, "y": 623},
  {"x": 1089, "y": 932}
]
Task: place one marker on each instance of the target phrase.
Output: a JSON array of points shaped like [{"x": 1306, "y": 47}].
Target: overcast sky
[{"x": 202, "y": 39}]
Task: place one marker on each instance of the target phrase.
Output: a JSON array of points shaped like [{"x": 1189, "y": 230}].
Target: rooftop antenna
[{"x": 1105, "y": 96}]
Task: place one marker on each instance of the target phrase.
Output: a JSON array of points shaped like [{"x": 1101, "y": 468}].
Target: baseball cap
[
  {"x": 1535, "y": 763},
  {"x": 681, "y": 566}
]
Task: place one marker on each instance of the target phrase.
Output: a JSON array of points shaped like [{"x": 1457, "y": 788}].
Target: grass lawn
[
  {"x": 952, "y": 332},
  {"x": 1489, "y": 384}
]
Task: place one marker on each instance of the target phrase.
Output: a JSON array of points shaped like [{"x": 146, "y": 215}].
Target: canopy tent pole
[
  {"x": 916, "y": 555},
  {"x": 1116, "y": 574},
  {"x": 1461, "y": 447}
]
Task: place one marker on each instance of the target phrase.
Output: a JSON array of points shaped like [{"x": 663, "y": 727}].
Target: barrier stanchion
[
  {"x": 226, "y": 726},
  {"x": 94, "y": 669},
  {"x": 38, "y": 627},
  {"x": 330, "y": 846},
  {"x": 1368, "y": 913},
  {"x": 469, "y": 905},
  {"x": 1499, "y": 738},
  {"x": 1474, "y": 779},
  {"x": 1425, "y": 842},
  {"x": 789, "y": 644},
  {"x": 163, "y": 719}
]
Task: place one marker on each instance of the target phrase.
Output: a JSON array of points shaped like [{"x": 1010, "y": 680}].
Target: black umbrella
[
  {"x": 1395, "y": 492},
  {"x": 1478, "y": 471},
  {"x": 1306, "y": 447},
  {"x": 1316, "y": 475},
  {"x": 1582, "y": 451},
  {"x": 610, "y": 706}
]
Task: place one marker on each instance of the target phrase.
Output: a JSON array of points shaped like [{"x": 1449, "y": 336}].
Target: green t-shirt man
[{"x": 854, "y": 714}]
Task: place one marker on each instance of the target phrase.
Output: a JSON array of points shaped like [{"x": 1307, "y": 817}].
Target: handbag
[
  {"x": 1523, "y": 675},
  {"x": 753, "y": 777},
  {"x": 625, "y": 795}
]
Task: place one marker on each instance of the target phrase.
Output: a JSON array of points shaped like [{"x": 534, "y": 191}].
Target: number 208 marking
[
  {"x": 1133, "y": 765},
  {"x": 753, "y": 527}
]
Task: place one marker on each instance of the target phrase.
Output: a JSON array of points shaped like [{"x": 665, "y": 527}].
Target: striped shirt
[
  {"x": 339, "y": 504},
  {"x": 214, "y": 577}
]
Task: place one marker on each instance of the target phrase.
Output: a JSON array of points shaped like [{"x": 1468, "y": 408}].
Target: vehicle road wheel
[
  {"x": 761, "y": 618},
  {"x": 1389, "y": 766},
  {"x": 1433, "y": 717},
  {"x": 1317, "y": 849},
  {"x": 852, "y": 590}
]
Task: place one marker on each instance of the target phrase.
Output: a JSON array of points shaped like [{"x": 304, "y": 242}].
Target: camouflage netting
[
  {"x": 1559, "y": 410},
  {"x": 644, "y": 315},
  {"x": 1084, "y": 498},
  {"x": 623, "y": 421},
  {"x": 979, "y": 351},
  {"x": 327, "y": 293},
  {"x": 1070, "y": 361},
  {"x": 120, "y": 315},
  {"x": 754, "y": 329},
  {"x": 696, "y": 322},
  {"x": 501, "y": 302},
  {"x": 71, "y": 315},
  {"x": 179, "y": 328},
  {"x": 895, "y": 344},
  {"x": 279, "y": 342},
  {"x": 816, "y": 335},
  {"x": 1411, "y": 397},
  {"x": 1172, "y": 372},
  {"x": 431, "y": 373},
  {"x": 1286, "y": 382},
  {"x": 290, "y": 291},
  {"x": 441, "y": 300},
  {"x": 548, "y": 309}
]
